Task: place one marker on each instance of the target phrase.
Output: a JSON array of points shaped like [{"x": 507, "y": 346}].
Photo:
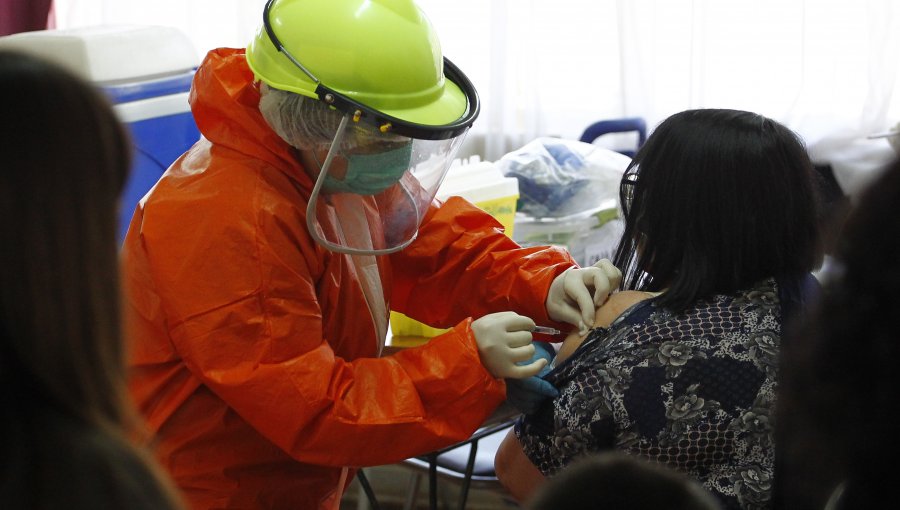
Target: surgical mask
[
  {"x": 370, "y": 174},
  {"x": 404, "y": 178}
]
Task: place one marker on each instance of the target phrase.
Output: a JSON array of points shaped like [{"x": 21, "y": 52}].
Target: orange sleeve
[
  {"x": 462, "y": 264},
  {"x": 325, "y": 410}
]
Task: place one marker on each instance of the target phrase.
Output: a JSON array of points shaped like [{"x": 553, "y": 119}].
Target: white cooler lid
[
  {"x": 109, "y": 54},
  {"x": 478, "y": 183}
]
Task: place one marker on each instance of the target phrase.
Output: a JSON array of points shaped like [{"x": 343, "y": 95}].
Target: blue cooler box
[
  {"x": 146, "y": 71},
  {"x": 162, "y": 128}
]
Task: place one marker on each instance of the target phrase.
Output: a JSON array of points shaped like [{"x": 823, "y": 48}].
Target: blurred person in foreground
[
  {"x": 836, "y": 433},
  {"x": 619, "y": 481},
  {"x": 69, "y": 427}
]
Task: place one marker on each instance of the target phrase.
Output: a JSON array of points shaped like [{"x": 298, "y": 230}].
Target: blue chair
[{"x": 625, "y": 125}]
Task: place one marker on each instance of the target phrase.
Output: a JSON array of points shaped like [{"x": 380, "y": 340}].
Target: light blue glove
[{"x": 527, "y": 394}]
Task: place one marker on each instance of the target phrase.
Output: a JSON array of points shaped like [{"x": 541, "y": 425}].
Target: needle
[{"x": 545, "y": 330}]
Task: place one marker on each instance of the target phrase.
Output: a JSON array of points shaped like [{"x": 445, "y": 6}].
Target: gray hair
[{"x": 307, "y": 123}]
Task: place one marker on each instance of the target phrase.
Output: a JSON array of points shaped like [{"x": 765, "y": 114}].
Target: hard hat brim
[{"x": 417, "y": 122}]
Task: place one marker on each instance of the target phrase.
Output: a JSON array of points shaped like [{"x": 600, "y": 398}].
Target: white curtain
[
  {"x": 826, "y": 68},
  {"x": 208, "y": 23}
]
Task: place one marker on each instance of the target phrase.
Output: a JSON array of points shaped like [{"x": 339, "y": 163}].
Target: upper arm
[{"x": 514, "y": 469}]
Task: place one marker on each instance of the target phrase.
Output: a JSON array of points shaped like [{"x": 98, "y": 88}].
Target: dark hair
[
  {"x": 839, "y": 371},
  {"x": 65, "y": 160},
  {"x": 715, "y": 201},
  {"x": 619, "y": 481}
]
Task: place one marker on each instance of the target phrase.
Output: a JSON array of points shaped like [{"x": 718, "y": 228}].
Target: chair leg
[
  {"x": 467, "y": 479},
  {"x": 432, "y": 482},
  {"x": 370, "y": 494}
]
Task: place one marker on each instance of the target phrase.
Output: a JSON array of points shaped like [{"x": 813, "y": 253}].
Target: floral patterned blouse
[{"x": 694, "y": 391}]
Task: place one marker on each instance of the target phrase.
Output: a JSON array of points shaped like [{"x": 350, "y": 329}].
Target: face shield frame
[{"x": 359, "y": 112}]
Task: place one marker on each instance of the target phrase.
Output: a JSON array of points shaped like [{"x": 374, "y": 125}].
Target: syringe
[{"x": 545, "y": 330}]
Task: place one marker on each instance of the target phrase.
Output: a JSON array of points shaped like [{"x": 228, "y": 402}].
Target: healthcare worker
[{"x": 261, "y": 268}]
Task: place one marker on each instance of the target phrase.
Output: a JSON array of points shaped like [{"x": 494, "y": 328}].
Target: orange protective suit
[{"x": 254, "y": 357}]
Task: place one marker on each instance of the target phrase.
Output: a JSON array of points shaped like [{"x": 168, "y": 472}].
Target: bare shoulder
[{"x": 617, "y": 303}]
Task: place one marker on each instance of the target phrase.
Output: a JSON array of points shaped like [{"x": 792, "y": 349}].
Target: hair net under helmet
[{"x": 306, "y": 123}]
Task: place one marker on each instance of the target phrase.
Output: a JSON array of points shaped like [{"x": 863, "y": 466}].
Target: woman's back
[{"x": 692, "y": 390}]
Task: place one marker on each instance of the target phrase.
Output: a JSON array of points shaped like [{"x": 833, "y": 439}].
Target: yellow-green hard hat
[{"x": 378, "y": 60}]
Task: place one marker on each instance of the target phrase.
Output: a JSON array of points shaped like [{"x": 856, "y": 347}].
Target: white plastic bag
[{"x": 559, "y": 177}]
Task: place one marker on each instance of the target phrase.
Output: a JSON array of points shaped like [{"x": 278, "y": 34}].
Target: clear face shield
[{"x": 373, "y": 189}]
